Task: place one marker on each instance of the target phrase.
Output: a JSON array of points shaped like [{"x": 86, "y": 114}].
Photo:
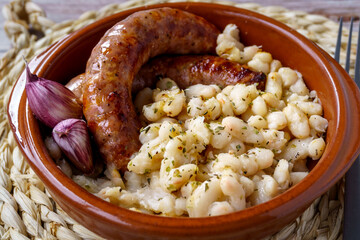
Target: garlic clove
[
  {"x": 73, "y": 138},
  {"x": 50, "y": 101}
]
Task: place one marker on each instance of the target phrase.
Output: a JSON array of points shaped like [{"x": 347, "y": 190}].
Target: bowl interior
[{"x": 68, "y": 57}]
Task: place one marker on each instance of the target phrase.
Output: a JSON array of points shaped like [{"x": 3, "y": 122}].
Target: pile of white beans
[{"x": 209, "y": 151}]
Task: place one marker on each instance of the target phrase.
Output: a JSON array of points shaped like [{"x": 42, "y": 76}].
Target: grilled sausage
[
  {"x": 115, "y": 61},
  {"x": 186, "y": 70},
  {"x": 190, "y": 70}
]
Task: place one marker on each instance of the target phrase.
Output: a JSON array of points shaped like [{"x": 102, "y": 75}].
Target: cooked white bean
[
  {"x": 274, "y": 84},
  {"x": 198, "y": 127},
  {"x": 234, "y": 191},
  {"x": 220, "y": 138},
  {"x": 248, "y": 185},
  {"x": 226, "y": 106},
  {"x": 199, "y": 202},
  {"x": 276, "y": 120},
  {"x": 288, "y": 76},
  {"x": 177, "y": 177},
  {"x": 257, "y": 121},
  {"x": 212, "y": 109},
  {"x": 229, "y": 48},
  {"x": 241, "y": 96},
  {"x": 227, "y": 90},
  {"x": 309, "y": 108},
  {"x": 154, "y": 111},
  {"x": 196, "y": 107},
  {"x": 297, "y": 121},
  {"x": 257, "y": 65},
  {"x": 316, "y": 148},
  {"x": 233, "y": 31},
  {"x": 266, "y": 189},
  {"x": 249, "y": 53},
  {"x": 149, "y": 157},
  {"x": 263, "y": 157},
  {"x": 282, "y": 174},
  {"x": 258, "y": 106},
  {"x": 273, "y": 101},
  {"x": 299, "y": 87},
  {"x": 220, "y": 208},
  {"x": 318, "y": 123},
  {"x": 296, "y": 149},
  {"x": 239, "y": 129},
  {"x": 264, "y": 57},
  {"x": 274, "y": 139},
  {"x": 150, "y": 132},
  {"x": 236, "y": 146},
  {"x": 275, "y": 65},
  {"x": 200, "y": 90}
]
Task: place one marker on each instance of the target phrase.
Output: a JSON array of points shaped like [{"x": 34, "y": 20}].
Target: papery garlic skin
[
  {"x": 73, "y": 138},
  {"x": 51, "y": 102}
]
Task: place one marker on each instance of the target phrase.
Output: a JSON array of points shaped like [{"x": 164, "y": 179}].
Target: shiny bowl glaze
[{"x": 338, "y": 93}]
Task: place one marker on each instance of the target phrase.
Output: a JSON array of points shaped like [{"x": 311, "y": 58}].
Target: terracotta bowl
[{"x": 338, "y": 93}]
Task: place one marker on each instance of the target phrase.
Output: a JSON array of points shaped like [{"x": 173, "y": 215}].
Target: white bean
[
  {"x": 282, "y": 174},
  {"x": 299, "y": 87},
  {"x": 276, "y": 120},
  {"x": 199, "y": 202},
  {"x": 258, "y": 106},
  {"x": 309, "y": 108},
  {"x": 297, "y": 121},
  {"x": 275, "y": 65},
  {"x": 239, "y": 129},
  {"x": 316, "y": 148},
  {"x": 288, "y": 76},
  {"x": 257, "y": 121},
  {"x": 226, "y": 106},
  {"x": 318, "y": 123},
  {"x": 274, "y": 84}
]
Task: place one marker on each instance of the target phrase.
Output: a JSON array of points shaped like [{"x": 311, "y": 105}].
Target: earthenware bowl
[{"x": 338, "y": 93}]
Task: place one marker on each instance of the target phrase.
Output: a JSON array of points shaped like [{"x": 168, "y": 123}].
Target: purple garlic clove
[
  {"x": 51, "y": 102},
  {"x": 73, "y": 138}
]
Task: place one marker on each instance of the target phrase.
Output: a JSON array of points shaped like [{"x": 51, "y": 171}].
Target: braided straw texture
[{"x": 27, "y": 211}]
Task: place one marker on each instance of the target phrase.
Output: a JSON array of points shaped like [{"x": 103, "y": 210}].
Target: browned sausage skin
[
  {"x": 190, "y": 70},
  {"x": 115, "y": 61},
  {"x": 186, "y": 70}
]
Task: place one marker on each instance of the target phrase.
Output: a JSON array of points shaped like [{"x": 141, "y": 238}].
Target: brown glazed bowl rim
[{"x": 321, "y": 178}]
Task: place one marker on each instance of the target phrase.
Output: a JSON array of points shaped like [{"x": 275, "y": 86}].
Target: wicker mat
[{"x": 27, "y": 211}]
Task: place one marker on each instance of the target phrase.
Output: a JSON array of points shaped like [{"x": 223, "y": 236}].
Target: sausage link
[
  {"x": 190, "y": 70},
  {"x": 186, "y": 70},
  {"x": 115, "y": 61}
]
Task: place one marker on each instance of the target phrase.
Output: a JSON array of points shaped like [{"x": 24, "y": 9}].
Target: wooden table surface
[{"x": 70, "y": 9}]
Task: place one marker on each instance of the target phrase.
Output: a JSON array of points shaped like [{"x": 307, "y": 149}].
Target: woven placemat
[{"x": 27, "y": 211}]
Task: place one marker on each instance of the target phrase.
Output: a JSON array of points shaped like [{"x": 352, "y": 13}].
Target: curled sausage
[
  {"x": 115, "y": 61},
  {"x": 190, "y": 70},
  {"x": 187, "y": 70}
]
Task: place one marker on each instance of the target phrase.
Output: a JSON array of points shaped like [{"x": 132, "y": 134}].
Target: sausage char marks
[
  {"x": 186, "y": 70},
  {"x": 115, "y": 61}
]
